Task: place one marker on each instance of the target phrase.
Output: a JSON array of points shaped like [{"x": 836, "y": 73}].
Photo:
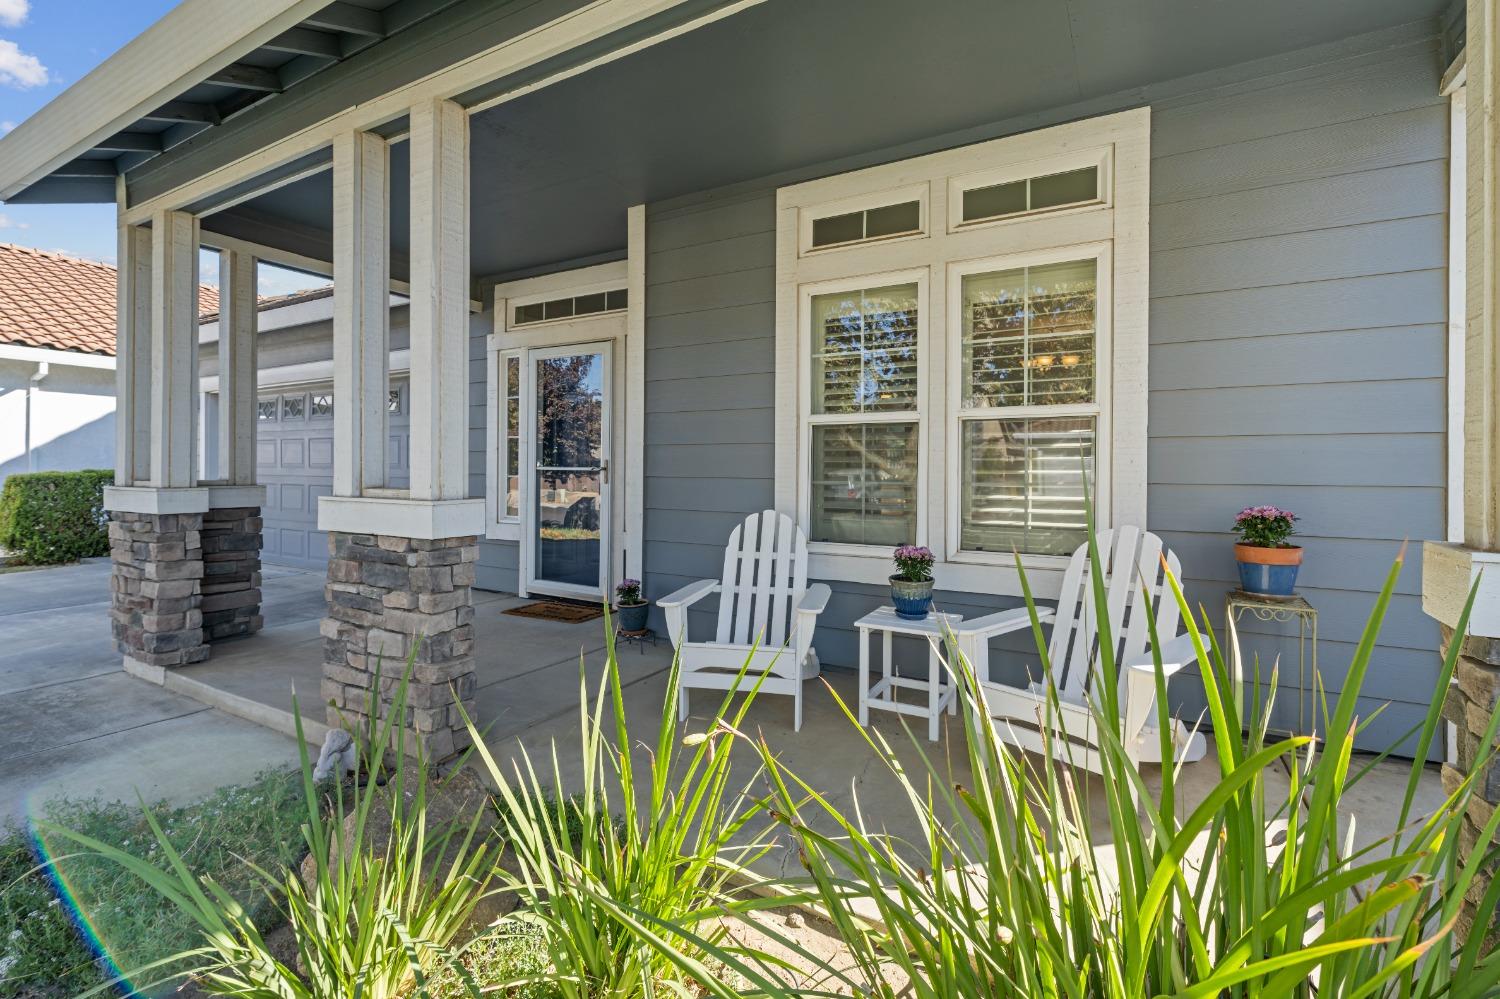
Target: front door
[{"x": 567, "y": 516}]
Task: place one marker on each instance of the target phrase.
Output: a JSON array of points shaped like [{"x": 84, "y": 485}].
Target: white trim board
[{"x": 1113, "y": 228}]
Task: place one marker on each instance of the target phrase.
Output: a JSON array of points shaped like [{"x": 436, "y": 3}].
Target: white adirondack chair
[
  {"x": 1130, "y": 558},
  {"x": 765, "y": 605}
]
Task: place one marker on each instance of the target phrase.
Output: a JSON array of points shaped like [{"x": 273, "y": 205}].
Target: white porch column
[
  {"x": 174, "y": 349},
  {"x": 133, "y": 356},
  {"x": 403, "y": 561},
  {"x": 156, "y": 525},
  {"x": 439, "y": 142},
  {"x": 237, "y": 367},
  {"x": 361, "y": 310},
  {"x": 1450, "y": 570},
  {"x": 232, "y": 526}
]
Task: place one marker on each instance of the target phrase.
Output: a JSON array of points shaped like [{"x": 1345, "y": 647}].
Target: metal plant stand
[
  {"x": 1281, "y": 609},
  {"x": 640, "y": 639}
]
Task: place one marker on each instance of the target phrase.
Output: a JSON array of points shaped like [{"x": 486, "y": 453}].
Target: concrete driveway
[{"x": 72, "y": 723}]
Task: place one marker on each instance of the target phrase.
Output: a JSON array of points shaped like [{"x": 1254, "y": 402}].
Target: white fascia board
[
  {"x": 195, "y": 39},
  {"x": 62, "y": 358}
]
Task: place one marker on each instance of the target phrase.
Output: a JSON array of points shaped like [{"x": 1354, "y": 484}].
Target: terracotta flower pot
[{"x": 1270, "y": 572}]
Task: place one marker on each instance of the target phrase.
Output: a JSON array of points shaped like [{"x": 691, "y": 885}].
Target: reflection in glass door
[{"x": 569, "y": 509}]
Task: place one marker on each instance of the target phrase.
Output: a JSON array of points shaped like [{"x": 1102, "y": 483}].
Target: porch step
[{"x": 181, "y": 682}]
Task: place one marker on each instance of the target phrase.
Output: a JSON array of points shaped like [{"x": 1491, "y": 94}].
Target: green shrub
[{"x": 51, "y": 517}]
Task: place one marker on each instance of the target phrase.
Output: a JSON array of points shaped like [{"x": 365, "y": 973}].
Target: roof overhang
[{"x": 192, "y": 42}]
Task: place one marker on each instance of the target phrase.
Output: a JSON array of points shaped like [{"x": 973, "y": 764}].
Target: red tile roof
[{"x": 58, "y": 302}]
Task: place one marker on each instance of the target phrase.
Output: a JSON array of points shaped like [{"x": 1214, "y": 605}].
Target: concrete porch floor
[{"x": 528, "y": 700}]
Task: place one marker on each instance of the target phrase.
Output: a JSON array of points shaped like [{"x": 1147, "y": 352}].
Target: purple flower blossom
[
  {"x": 629, "y": 591},
  {"x": 913, "y": 562},
  {"x": 1265, "y": 526}
]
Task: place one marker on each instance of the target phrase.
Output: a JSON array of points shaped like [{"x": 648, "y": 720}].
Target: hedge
[{"x": 52, "y": 517}]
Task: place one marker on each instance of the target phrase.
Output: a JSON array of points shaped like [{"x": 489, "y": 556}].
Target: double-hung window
[
  {"x": 961, "y": 354},
  {"x": 864, "y": 415}
]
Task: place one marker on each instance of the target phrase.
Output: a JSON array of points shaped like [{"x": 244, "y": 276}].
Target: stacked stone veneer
[
  {"x": 1472, "y": 700},
  {"x": 231, "y": 542},
  {"x": 155, "y": 591},
  {"x": 386, "y": 596}
]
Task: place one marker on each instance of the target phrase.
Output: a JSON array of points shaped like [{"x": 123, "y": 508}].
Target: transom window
[
  {"x": 983, "y": 418},
  {"x": 900, "y": 219},
  {"x": 570, "y": 307},
  {"x": 1031, "y": 194}
]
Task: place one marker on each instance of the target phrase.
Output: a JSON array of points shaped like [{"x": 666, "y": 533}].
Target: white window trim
[
  {"x": 1120, "y": 221},
  {"x": 626, "y": 330}
]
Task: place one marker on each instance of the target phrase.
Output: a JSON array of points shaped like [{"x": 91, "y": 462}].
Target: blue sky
[{"x": 46, "y": 46}]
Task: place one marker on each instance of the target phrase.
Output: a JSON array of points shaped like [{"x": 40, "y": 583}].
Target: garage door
[{"x": 294, "y": 461}]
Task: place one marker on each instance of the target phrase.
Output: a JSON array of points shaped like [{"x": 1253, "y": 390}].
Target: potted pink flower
[
  {"x": 911, "y": 586},
  {"x": 1268, "y": 563},
  {"x": 631, "y": 606}
]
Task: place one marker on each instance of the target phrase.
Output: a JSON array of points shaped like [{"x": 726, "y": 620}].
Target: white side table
[{"x": 882, "y": 695}]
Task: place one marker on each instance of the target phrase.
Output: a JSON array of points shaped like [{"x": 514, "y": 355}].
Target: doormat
[{"x": 558, "y": 610}]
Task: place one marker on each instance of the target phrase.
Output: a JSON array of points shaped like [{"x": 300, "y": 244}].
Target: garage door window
[
  {"x": 265, "y": 409},
  {"x": 293, "y": 407},
  {"x": 322, "y": 405}
]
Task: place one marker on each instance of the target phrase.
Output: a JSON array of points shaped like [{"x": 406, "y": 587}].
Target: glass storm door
[{"x": 568, "y": 513}]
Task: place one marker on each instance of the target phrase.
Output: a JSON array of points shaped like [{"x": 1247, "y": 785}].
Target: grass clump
[{"x": 44, "y": 953}]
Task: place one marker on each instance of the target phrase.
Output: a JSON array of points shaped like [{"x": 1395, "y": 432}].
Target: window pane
[
  {"x": 865, "y": 350},
  {"x": 864, "y": 483},
  {"x": 1028, "y": 335},
  {"x": 533, "y": 313},
  {"x": 893, "y": 220},
  {"x": 587, "y": 305},
  {"x": 1065, "y": 188},
  {"x": 1023, "y": 484},
  {"x": 996, "y": 200},
  {"x": 512, "y": 430},
  {"x": 838, "y": 229},
  {"x": 617, "y": 300},
  {"x": 322, "y": 404},
  {"x": 293, "y": 407},
  {"x": 558, "y": 308},
  {"x": 265, "y": 409}
]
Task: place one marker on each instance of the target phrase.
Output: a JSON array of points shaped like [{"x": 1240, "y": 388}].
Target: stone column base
[
  {"x": 388, "y": 595},
  {"x": 155, "y": 590},
  {"x": 231, "y": 572}
]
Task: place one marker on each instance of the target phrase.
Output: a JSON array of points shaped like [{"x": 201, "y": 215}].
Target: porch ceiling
[{"x": 789, "y": 84}]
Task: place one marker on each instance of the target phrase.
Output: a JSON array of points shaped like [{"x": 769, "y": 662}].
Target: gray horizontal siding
[
  {"x": 1298, "y": 349},
  {"x": 1298, "y": 269}
]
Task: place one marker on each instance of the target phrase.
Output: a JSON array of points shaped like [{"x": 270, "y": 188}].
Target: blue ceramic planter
[
  {"x": 1271, "y": 572},
  {"x": 1269, "y": 580},
  {"x": 912, "y": 600},
  {"x": 632, "y": 618}
]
